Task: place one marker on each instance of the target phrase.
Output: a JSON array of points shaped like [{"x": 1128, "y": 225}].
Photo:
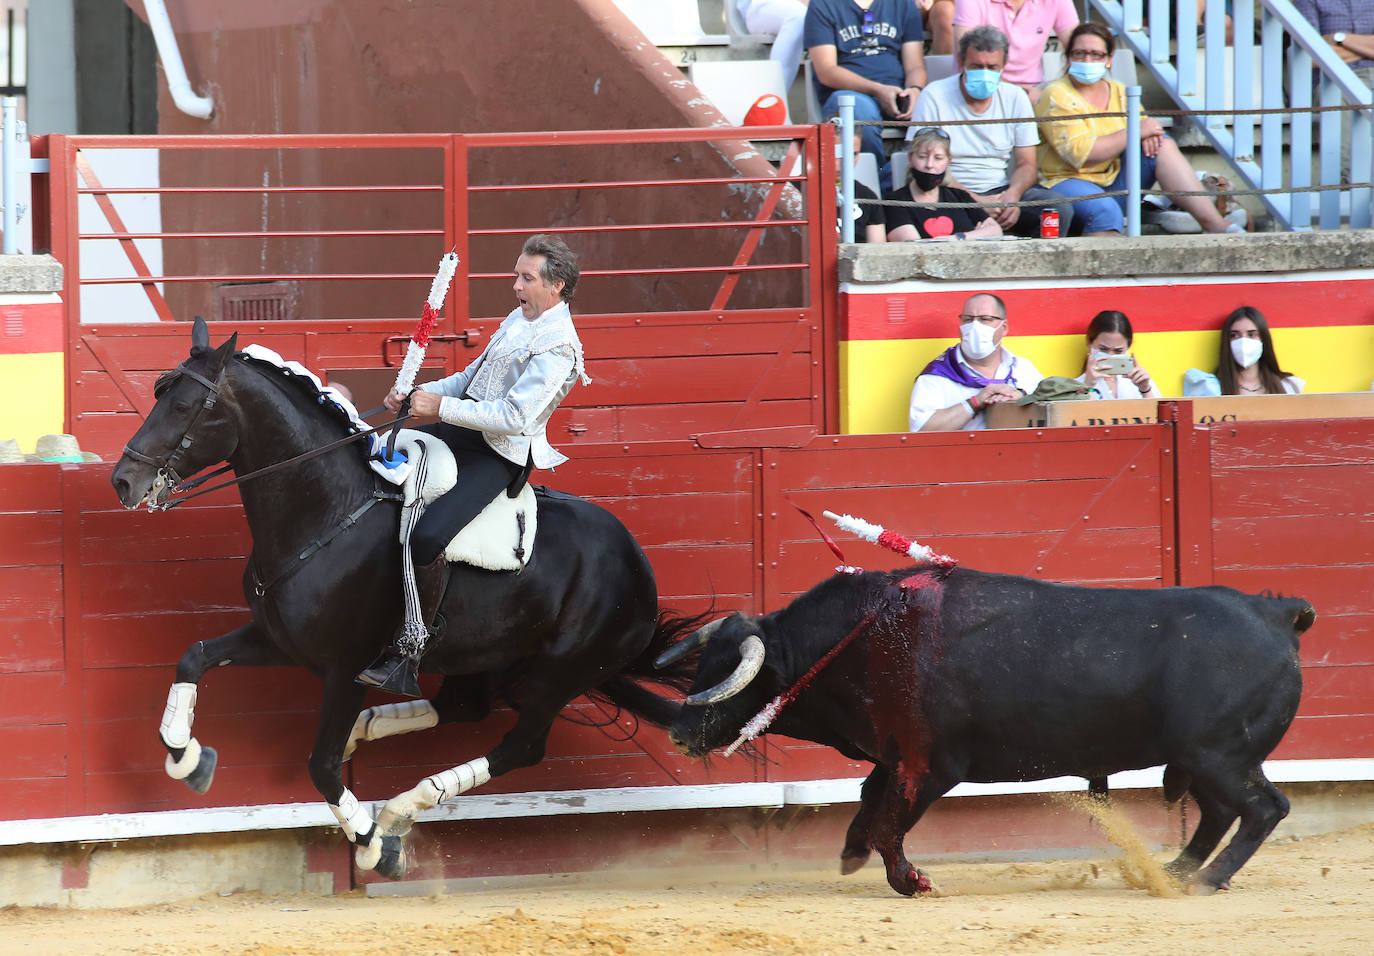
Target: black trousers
[{"x": 482, "y": 475}]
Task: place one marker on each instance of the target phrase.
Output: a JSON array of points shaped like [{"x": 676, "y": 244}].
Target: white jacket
[{"x": 510, "y": 390}]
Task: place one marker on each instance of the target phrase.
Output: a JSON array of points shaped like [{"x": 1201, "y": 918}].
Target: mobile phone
[
  {"x": 903, "y": 101},
  {"x": 1115, "y": 365}
]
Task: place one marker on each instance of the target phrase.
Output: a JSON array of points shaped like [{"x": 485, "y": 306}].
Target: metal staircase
[{"x": 1288, "y": 66}]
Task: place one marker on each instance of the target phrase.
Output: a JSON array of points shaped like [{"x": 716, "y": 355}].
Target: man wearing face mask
[
  {"x": 951, "y": 392},
  {"x": 993, "y": 161}
]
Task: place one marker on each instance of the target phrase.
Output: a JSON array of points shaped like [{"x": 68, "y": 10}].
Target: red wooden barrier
[{"x": 101, "y": 602}]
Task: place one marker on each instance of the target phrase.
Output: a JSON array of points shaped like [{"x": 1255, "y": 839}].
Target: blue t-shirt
[{"x": 871, "y": 46}]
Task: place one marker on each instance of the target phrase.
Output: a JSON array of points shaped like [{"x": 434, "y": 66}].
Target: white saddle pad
[{"x": 501, "y": 538}]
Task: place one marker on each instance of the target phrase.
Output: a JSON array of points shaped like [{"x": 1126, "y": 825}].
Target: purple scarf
[{"x": 948, "y": 366}]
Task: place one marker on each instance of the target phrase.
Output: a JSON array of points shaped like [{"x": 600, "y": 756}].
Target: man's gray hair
[
  {"x": 984, "y": 39},
  {"x": 560, "y": 262}
]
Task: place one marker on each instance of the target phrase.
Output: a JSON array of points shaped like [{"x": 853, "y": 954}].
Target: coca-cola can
[{"x": 1049, "y": 224}]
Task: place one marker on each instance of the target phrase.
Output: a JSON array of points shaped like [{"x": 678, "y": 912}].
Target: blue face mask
[
  {"x": 1087, "y": 72},
  {"x": 981, "y": 84}
]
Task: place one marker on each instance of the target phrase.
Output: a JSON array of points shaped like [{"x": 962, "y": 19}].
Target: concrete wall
[
  {"x": 32, "y": 349},
  {"x": 899, "y": 304}
]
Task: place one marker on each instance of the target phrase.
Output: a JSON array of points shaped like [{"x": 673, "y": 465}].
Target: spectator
[
  {"x": 782, "y": 18},
  {"x": 1246, "y": 362},
  {"x": 994, "y": 161},
  {"x": 951, "y": 391},
  {"x": 1080, "y": 157},
  {"x": 925, "y": 183},
  {"x": 1110, "y": 338},
  {"x": 1028, "y": 24},
  {"x": 939, "y": 23},
  {"x": 870, "y": 221},
  {"x": 871, "y": 48}
]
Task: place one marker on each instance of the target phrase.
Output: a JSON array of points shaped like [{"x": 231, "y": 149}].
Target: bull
[{"x": 953, "y": 675}]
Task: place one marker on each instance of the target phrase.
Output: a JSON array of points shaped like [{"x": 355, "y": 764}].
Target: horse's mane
[{"x": 307, "y": 386}]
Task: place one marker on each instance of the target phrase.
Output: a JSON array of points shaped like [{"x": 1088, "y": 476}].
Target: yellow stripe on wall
[
  {"x": 31, "y": 397},
  {"x": 876, "y": 376}
]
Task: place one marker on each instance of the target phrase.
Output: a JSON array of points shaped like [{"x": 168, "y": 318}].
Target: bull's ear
[
  {"x": 224, "y": 352},
  {"x": 200, "y": 335}
]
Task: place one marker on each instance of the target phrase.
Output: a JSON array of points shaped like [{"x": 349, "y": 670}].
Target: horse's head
[{"x": 187, "y": 430}]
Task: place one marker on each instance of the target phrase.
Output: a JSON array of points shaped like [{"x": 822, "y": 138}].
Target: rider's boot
[{"x": 396, "y": 670}]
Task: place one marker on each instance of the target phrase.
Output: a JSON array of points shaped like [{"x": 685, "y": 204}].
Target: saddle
[{"x": 501, "y": 538}]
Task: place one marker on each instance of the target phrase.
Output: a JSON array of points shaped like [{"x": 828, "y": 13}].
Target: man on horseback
[{"x": 492, "y": 416}]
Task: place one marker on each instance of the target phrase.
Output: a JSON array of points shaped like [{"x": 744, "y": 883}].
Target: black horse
[{"x": 323, "y": 586}]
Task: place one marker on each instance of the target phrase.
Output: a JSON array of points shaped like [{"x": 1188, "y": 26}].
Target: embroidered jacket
[{"x": 511, "y": 389}]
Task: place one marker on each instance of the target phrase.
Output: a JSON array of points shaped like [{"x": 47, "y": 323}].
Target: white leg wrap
[
  {"x": 387, "y": 720},
  {"x": 460, "y": 779},
  {"x": 179, "y": 715},
  {"x": 400, "y": 811},
  {"x": 367, "y": 856},
  {"x": 351, "y": 816},
  {"x": 190, "y": 757}
]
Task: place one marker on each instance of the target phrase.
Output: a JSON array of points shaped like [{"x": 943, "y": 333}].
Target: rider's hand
[
  {"x": 425, "y": 404},
  {"x": 394, "y": 399}
]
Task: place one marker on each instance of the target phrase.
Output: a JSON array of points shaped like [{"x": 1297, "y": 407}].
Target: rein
[
  {"x": 304, "y": 456},
  {"x": 167, "y": 477}
]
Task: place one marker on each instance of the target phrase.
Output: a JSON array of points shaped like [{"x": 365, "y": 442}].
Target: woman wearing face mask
[
  {"x": 1246, "y": 363},
  {"x": 928, "y": 155},
  {"x": 1082, "y": 156},
  {"x": 1110, "y": 336}
]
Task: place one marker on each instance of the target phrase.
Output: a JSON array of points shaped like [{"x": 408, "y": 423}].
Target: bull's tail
[{"x": 632, "y": 690}]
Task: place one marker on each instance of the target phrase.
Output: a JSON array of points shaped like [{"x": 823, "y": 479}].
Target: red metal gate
[{"x": 690, "y": 324}]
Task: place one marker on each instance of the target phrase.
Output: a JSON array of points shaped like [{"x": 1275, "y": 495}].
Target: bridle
[
  {"x": 169, "y": 481},
  {"x": 167, "y": 478}
]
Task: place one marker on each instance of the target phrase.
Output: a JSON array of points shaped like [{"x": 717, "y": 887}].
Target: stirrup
[{"x": 393, "y": 672}]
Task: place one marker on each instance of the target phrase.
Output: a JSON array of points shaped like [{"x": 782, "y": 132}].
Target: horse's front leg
[
  {"x": 460, "y": 698},
  {"x": 186, "y": 759},
  {"x": 375, "y": 850}
]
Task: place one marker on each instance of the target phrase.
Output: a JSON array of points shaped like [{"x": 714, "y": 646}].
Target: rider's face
[{"x": 536, "y": 297}]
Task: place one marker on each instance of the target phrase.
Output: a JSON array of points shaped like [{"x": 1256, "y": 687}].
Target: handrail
[
  {"x": 186, "y": 99},
  {"x": 1289, "y": 50}
]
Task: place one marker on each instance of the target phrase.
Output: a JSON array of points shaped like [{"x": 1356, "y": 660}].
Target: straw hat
[
  {"x": 58, "y": 448},
  {"x": 9, "y": 452}
]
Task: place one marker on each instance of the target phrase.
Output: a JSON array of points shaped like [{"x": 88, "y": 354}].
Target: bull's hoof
[
  {"x": 923, "y": 884},
  {"x": 1203, "y": 888},
  {"x": 203, "y": 775},
  {"x": 853, "y": 861},
  {"x": 392, "y": 863},
  {"x": 910, "y": 881}
]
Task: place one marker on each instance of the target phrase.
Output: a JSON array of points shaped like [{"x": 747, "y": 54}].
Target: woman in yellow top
[{"x": 1079, "y": 157}]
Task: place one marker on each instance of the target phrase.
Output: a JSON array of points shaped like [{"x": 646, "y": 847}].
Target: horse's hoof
[
  {"x": 395, "y": 821},
  {"x": 392, "y": 863},
  {"x": 200, "y": 778}
]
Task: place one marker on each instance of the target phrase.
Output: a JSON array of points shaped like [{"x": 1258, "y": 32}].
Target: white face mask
[
  {"x": 1246, "y": 351},
  {"x": 977, "y": 340}
]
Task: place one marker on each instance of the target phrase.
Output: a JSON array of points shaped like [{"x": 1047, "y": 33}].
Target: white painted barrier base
[{"x": 285, "y": 816}]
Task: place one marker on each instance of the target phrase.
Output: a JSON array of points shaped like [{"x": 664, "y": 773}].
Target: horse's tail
[{"x": 631, "y": 690}]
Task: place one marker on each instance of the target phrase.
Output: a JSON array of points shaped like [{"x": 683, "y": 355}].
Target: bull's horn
[
  {"x": 750, "y": 662},
  {"x": 682, "y": 648}
]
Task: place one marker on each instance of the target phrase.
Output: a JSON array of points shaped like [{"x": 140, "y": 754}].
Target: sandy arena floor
[{"x": 1310, "y": 895}]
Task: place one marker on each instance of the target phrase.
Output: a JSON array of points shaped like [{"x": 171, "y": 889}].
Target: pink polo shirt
[{"x": 1028, "y": 29}]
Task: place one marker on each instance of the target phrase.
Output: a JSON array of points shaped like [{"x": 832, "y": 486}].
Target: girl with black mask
[{"x": 928, "y": 155}]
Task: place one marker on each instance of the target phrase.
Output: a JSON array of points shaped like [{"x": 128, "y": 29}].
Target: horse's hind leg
[
  {"x": 342, "y": 698},
  {"x": 460, "y": 698},
  {"x": 186, "y": 759},
  {"x": 523, "y": 746}
]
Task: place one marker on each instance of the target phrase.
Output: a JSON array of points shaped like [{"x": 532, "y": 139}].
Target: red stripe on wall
[
  {"x": 28, "y": 329},
  {"x": 1151, "y": 308}
]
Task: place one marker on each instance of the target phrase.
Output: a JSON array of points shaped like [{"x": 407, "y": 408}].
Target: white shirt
[
  {"x": 980, "y": 156},
  {"x": 931, "y": 393}
]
